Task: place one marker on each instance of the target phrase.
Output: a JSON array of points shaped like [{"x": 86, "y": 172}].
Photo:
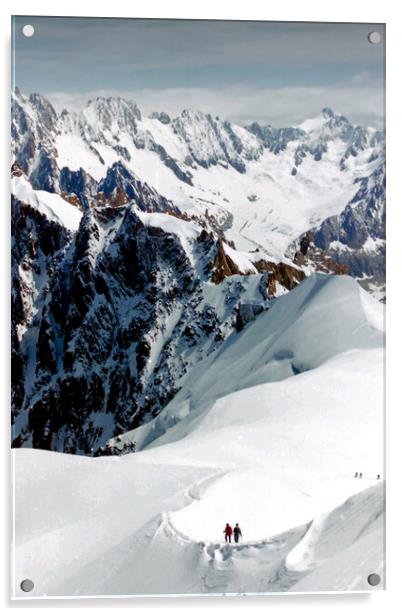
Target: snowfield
[
  {"x": 267, "y": 205},
  {"x": 54, "y": 207},
  {"x": 268, "y": 431}
]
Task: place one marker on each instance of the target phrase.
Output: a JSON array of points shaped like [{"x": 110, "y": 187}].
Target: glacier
[{"x": 264, "y": 186}]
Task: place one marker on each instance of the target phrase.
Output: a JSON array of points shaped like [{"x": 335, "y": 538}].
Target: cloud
[{"x": 287, "y": 106}]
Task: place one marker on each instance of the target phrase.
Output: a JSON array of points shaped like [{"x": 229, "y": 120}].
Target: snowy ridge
[
  {"x": 124, "y": 555},
  {"x": 273, "y": 442},
  {"x": 264, "y": 186},
  {"x": 286, "y": 340},
  {"x": 51, "y": 205}
]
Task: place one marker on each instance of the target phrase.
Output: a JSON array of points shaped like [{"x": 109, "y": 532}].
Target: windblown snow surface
[
  {"x": 268, "y": 431},
  {"x": 54, "y": 207}
]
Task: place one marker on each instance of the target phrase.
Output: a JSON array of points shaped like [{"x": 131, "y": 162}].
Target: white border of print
[{"x": 309, "y": 10}]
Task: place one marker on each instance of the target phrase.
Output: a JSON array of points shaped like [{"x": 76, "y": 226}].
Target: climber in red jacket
[{"x": 228, "y": 533}]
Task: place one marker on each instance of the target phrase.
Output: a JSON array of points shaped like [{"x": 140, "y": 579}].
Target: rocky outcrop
[
  {"x": 120, "y": 186},
  {"x": 308, "y": 253},
  {"x": 163, "y": 117},
  {"x": 212, "y": 142},
  {"x": 223, "y": 265},
  {"x": 247, "y": 312},
  {"x": 282, "y": 274},
  {"x": 352, "y": 242},
  {"x": 36, "y": 127},
  {"x": 275, "y": 139},
  {"x": 38, "y": 246}
]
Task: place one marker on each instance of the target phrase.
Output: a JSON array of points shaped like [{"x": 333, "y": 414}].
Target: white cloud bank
[{"x": 361, "y": 103}]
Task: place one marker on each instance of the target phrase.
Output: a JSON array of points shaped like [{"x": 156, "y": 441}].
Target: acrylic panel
[{"x": 198, "y": 293}]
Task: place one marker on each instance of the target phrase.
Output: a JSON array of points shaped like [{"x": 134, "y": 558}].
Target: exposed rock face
[
  {"x": 107, "y": 320},
  {"x": 248, "y": 312},
  {"x": 213, "y": 142},
  {"x": 16, "y": 171},
  {"x": 36, "y": 128},
  {"x": 275, "y": 139},
  {"x": 37, "y": 248},
  {"x": 33, "y": 127},
  {"x": 163, "y": 117},
  {"x": 280, "y": 273},
  {"x": 120, "y": 186},
  {"x": 77, "y": 183},
  {"x": 102, "y": 356},
  {"x": 223, "y": 265},
  {"x": 313, "y": 142},
  {"x": 354, "y": 241},
  {"x": 322, "y": 260}
]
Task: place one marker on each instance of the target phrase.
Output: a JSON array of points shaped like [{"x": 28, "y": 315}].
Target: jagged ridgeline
[{"x": 140, "y": 244}]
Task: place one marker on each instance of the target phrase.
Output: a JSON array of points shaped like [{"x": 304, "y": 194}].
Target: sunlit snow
[{"x": 259, "y": 443}]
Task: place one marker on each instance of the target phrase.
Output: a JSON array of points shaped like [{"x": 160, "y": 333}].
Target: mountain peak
[
  {"x": 327, "y": 121},
  {"x": 193, "y": 115},
  {"x": 327, "y": 112},
  {"x": 163, "y": 117},
  {"x": 41, "y": 103},
  {"x": 112, "y": 107}
]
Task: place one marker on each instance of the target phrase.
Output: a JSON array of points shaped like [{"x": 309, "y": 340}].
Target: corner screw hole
[{"x": 28, "y": 30}]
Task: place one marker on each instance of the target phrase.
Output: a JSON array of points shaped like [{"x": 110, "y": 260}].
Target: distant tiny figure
[
  {"x": 378, "y": 476},
  {"x": 228, "y": 533},
  {"x": 356, "y": 475},
  {"x": 360, "y": 475},
  {"x": 237, "y": 533}
]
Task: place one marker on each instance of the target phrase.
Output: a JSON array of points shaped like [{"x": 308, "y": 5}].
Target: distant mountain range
[{"x": 140, "y": 244}]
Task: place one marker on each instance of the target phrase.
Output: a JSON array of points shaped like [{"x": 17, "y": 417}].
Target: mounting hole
[
  {"x": 374, "y": 38},
  {"x": 27, "y": 585},
  {"x": 374, "y": 579},
  {"x": 28, "y": 30}
]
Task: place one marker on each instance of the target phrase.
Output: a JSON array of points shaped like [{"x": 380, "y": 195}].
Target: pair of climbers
[
  {"x": 358, "y": 475},
  {"x": 229, "y": 531}
]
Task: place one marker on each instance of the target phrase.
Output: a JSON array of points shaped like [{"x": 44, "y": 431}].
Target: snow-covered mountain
[
  {"x": 267, "y": 430},
  {"x": 355, "y": 238},
  {"x": 248, "y": 392},
  {"x": 111, "y": 307},
  {"x": 263, "y": 186},
  {"x": 140, "y": 244},
  {"x": 323, "y": 319},
  {"x": 175, "y": 294}
]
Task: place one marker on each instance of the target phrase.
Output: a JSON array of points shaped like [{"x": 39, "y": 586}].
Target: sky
[{"x": 275, "y": 72}]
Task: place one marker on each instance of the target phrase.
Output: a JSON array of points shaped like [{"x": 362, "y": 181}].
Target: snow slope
[
  {"x": 323, "y": 317},
  {"x": 100, "y": 527},
  {"x": 54, "y": 207},
  {"x": 258, "y": 443}
]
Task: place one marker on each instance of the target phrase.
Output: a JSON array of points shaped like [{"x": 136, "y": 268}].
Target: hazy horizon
[{"x": 273, "y": 72}]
